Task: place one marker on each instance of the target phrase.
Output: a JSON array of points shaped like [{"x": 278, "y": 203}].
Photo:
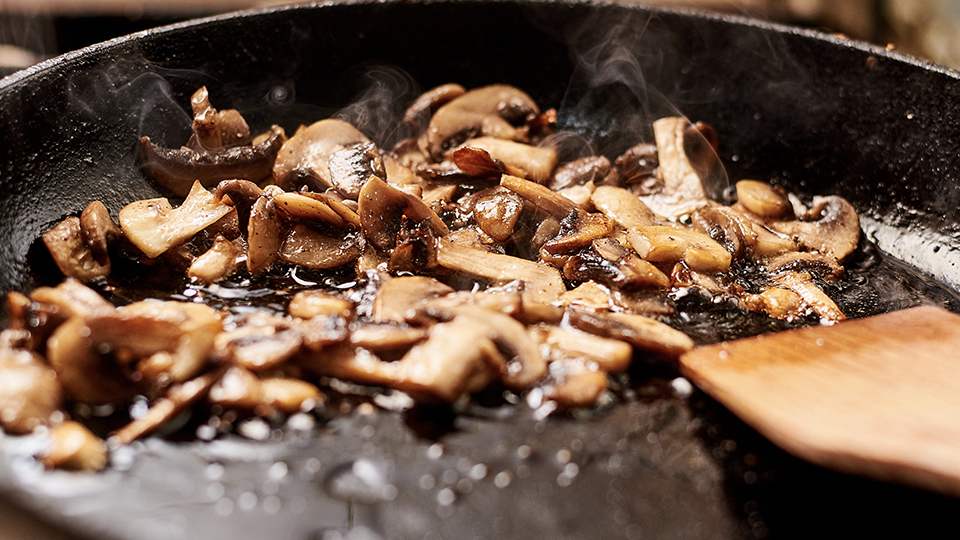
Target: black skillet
[{"x": 814, "y": 113}]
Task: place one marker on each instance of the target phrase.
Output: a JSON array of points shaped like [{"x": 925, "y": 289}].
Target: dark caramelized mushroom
[
  {"x": 834, "y": 229},
  {"x": 305, "y": 155},
  {"x": 242, "y": 195},
  {"x": 351, "y": 167},
  {"x": 71, "y": 253},
  {"x": 579, "y": 172},
  {"x": 419, "y": 112},
  {"x": 99, "y": 231},
  {"x": 177, "y": 169},
  {"x": 309, "y": 248}
]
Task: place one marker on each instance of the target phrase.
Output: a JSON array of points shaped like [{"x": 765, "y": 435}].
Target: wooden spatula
[{"x": 878, "y": 396}]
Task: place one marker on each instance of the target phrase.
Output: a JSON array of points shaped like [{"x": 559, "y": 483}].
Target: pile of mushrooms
[{"x": 480, "y": 260}]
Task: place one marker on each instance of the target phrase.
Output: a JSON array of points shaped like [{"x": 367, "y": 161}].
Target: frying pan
[{"x": 811, "y": 112}]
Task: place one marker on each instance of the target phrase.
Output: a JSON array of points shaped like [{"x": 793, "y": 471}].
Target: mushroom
[
  {"x": 542, "y": 284},
  {"x": 638, "y": 165},
  {"x": 579, "y": 172},
  {"x": 242, "y": 195},
  {"x": 813, "y": 296},
  {"x": 154, "y": 226},
  {"x": 264, "y": 236},
  {"x": 763, "y": 199},
  {"x": 72, "y": 298},
  {"x": 577, "y": 231},
  {"x": 419, "y": 112},
  {"x": 670, "y": 244},
  {"x": 179, "y": 397},
  {"x": 313, "y": 303},
  {"x": 304, "y": 156},
  {"x": 628, "y": 272},
  {"x": 730, "y": 229},
  {"x": 260, "y": 344},
  {"x": 177, "y": 169},
  {"x": 574, "y": 383},
  {"x": 540, "y": 197},
  {"x": 381, "y": 208},
  {"x": 217, "y": 263},
  {"x": 497, "y": 212},
  {"x": 537, "y": 162},
  {"x": 488, "y": 110},
  {"x": 825, "y": 265},
  {"x": 309, "y": 248},
  {"x": 350, "y": 168},
  {"x": 622, "y": 207},
  {"x": 776, "y": 302},
  {"x": 682, "y": 191},
  {"x": 74, "y": 447},
  {"x": 399, "y": 298},
  {"x": 29, "y": 391},
  {"x": 303, "y": 207},
  {"x": 238, "y": 388},
  {"x": 643, "y": 333},
  {"x": 833, "y": 231},
  {"x": 99, "y": 231},
  {"x": 609, "y": 355},
  {"x": 212, "y": 129},
  {"x": 72, "y": 254},
  {"x": 380, "y": 337}
]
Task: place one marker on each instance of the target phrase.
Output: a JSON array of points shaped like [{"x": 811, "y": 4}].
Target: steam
[{"x": 379, "y": 106}]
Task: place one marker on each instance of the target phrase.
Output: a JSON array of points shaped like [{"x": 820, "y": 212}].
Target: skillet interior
[{"x": 812, "y": 113}]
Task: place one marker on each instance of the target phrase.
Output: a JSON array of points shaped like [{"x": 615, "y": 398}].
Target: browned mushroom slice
[
  {"x": 73, "y": 256},
  {"x": 179, "y": 397},
  {"x": 638, "y": 164},
  {"x": 588, "y": 294},
  {"x": 216, "y": 129},
  {"x": 419, "y": 112},
  {"x": 347, "y": 213},
  {"x": 776, "y": 302},
  {"x": 579, "y": 172},
  {"x": 763, "y": 199},
  {"x": 644, "y": 333},
  {"x": 416, "y": 250},
  {"x": 483, "y": 111},
  {"x": 260, "y": 342},
  {"x": 307, "y": 152},
  {"x": 497, "y": 213},
  {"x": 730, "y": 229},
  {"x": 450, "y": 363},
  {"x": 350, "y": 363},
  {"x": 72, "y": 298},
  {"x": 610, "y": 355},
  {"x": 217, "y": 263},
  {"x": 154, "y": 226},
  {"x": 312, "y": 303},
  {"x": 574, "y": 383},
  {"x": 29, "y": 391},
  {"x": 309, "y": 248},
  {"x": 577, "y": 231},
  {"x": 238, "y": 388},
  {"x": 264, "y": 236},
  {"x": 814, "y": 297},
  {"x": 503, "y": 301},
  {"x": 386, "y": 337},
  {"x": 381, "y": 208},
  {"x": 536, "y": 161},
  {"x": 99, "y": 231},
  {"x": 629, "y": 272},
  {"x": 350, "y": 168},
  {"x": 74, "y": 447},
  {"x": 682, "y": 191},
  {"x": 834, "y": 231},
  {"x": 241, "y": 194},
  {"x": 400, "y": 297},
  {"x": 540, "y": 197},
  {"x": 177, "y": 169},
  {"x": 85, "y": 374},
  {"x": 542, "y": 284},
  {"x": 622, "y": 206},
  {"x": 825, "y": 265},
  {"x": 299, "y": 206},
  {"x": 669, "y": 244},
  {"x": 182, "y": 356}
]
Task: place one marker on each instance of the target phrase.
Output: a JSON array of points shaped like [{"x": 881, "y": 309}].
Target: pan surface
[{"x": 813, "y": 113}]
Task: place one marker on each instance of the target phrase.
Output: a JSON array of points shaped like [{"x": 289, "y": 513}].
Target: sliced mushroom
[
  {"x": 629, "y": 272},
  {"x": 74, "y": 447},
  {"x": 154, "y": 226},
  {"x": 350, "y": 363},
  {"x": 834, "y": 231},
  {"x": 638, "y": 164},
  {"x": 763, "y": 199},
  {"x": 381, "y": 208},
  {"x": 264, "y": 235},
  {"x": 682, "y": 191},
  {"x": 577, "y": 231},
  {"x": 819, "y": 302},
  {"x": 540, "y": 197},
  {"x": 214, "y": 130},
  {"x": 242, "y": 195},
  {"x": 776, "y": 302},
  {"x": 72, "y": 254},
  {"x": 644, "y": 333},
  {"x": 588, "y": 294},
  {"x": 346, "y": 212},
  {"x": 399, "y": 298},
  {"x": 579, "y": 172},
  {"x": 419, "y": 112},
  {"x": 823, "y": 264},
  {"x": 72, "y": 298},
  {"x": 217, "y": 263},
  {"x": 29, "y": 391},
  {"x": 669, "y": 244},
  {"x": 302, "y": 207},
  {"x": 350, "y": 168},
  {"x": 541, "y": 284},
  {"x": 501, "y": 300},
  {"x": 386, "y": 337},
  {"x": 497, "y": 213},
  {"x": 177, "y": 169},
  {"x": 312, "y": 303},
  {"x": 610, "y": 355},
  {"x": 178, "y": 399},
  {"x": 730, "y": 229},
  {"x": 574, "y": 383},
  {"x": 483, "y": 111},
  {"x": 305, "y": 155},
  {"x": 99, "y": 231},
  {"x": 259, "y": 342},
  {"x": 623, "y": 207},
  {"x": 239, "y": 388},
  {"x": 309, "y": 248},
  {"x": 536, "y": 161},
  {"x": 84, "y": 373}
]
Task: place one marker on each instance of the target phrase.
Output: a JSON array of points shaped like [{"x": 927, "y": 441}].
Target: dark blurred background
[{"x": 31, "y": 30}]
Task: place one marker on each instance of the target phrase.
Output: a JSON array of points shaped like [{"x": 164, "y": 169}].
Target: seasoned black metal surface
[{"x": 813, "y": 113}]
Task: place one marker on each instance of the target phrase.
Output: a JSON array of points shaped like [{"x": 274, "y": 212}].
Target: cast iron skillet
[{"x": 814, "y": 113}]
